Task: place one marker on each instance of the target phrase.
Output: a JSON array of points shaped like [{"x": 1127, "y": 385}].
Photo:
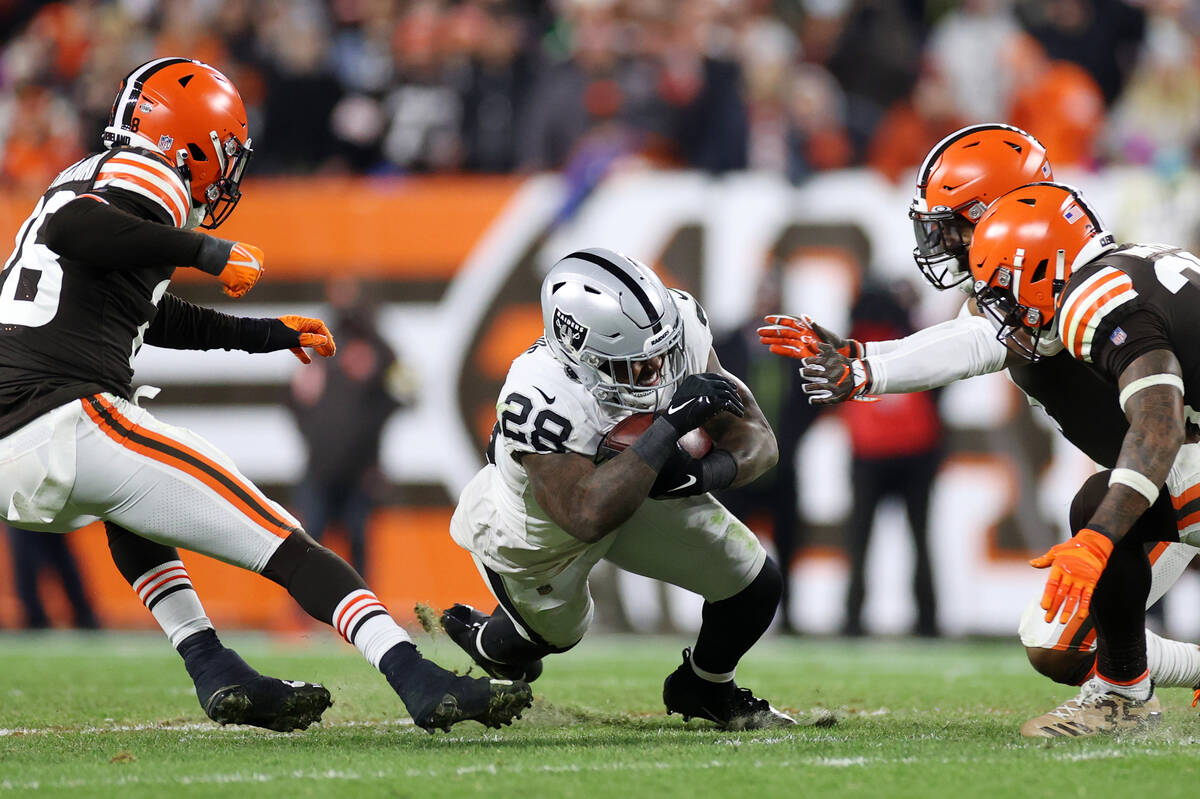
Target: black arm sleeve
[
  {"x": 101, "y": 234},
  {"x": 1140, "y": 332},
  {"x": 180, "y": 325}
]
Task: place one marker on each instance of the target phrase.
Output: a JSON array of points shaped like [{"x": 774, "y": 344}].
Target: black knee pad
[
  {"x": 1087, "y": 499},
  {"x": 766, "y": 589}
]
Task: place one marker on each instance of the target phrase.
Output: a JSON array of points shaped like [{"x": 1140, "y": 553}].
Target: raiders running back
[{"x": 544, "y": 407}]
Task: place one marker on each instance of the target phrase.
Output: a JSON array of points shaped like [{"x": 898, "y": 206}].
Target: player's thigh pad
[
  {"x": 168, "y": 484},
  {"x": 546, "y": 610},
  {"x": 1183, "y": 484},
  {"x": 1167, "y": 564},
  {"x": 37, "y": 472},
  {"x": 694, "y": 543},
  {"x": 1074, "y": 635}
]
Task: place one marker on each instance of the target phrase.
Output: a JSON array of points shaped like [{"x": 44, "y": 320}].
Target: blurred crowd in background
[{"x": 497, "y": 86}]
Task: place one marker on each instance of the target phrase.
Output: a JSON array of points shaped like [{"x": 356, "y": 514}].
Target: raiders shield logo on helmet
[{"x": 568, "y": 331}]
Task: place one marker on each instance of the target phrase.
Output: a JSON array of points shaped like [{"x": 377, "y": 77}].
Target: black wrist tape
[
  {"x": 278, "y": 335},
  {"x": 657, "y": 444},
  {"x": 1095, "y": 528},
  {"x": 718, "y": 469},
  {"x": 213, "y": 254}
]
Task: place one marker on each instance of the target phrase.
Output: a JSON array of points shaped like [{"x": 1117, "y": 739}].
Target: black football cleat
[
  {"x": 725, "y": 704},
  {"x": 279, "y": 705},
  {"x": 462, "y": 623},
  {"x": 449, "y": 699}
]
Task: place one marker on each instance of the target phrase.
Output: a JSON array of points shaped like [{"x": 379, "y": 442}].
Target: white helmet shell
[{"x": 602, "y": 313}]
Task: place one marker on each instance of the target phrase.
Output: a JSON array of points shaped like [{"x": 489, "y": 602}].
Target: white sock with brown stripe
[
  {"x": 166, "y": 591},
  {"x": 362, "y": 620},
  {"x": 1172, "y": 663}
]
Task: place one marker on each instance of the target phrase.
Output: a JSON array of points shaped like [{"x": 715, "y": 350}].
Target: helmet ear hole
[
  {"x": 197, "y": 153},
  {"x": 1039, "y": 273}
]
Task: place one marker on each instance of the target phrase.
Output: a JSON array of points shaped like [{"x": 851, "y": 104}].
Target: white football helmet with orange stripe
[
  {"x": 1025, "y": 248},
  {"x": 194, "y": 116}
]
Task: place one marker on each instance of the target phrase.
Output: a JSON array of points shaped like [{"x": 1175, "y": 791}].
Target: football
[{"x": 695, "y": 443}]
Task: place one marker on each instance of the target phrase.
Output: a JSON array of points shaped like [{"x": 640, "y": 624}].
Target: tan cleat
[{"x": 1092, "y": 712}]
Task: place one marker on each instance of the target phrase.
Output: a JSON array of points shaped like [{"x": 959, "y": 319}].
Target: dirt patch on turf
[{"x": 547, "y": 714}]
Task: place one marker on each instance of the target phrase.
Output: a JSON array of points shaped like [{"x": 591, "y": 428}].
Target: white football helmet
[{"x": 606, "y": 313}]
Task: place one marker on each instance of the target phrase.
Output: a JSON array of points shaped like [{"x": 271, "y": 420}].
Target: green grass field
[{"x": 112, "y": 715}]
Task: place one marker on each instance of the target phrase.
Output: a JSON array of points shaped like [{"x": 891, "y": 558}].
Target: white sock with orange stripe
[
  {"x": 1172, "y": 663},
  {"x": 1138, "y": 688},
  {"x": 166, "y": 591},
  {"x": 362, "y": 620}
]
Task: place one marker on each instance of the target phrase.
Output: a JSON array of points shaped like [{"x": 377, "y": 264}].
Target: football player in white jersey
[
  {"x": 960, "y": 178},
  {"x": 542, "y": 512}
]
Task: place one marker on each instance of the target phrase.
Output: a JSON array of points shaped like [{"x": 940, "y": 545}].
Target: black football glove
[
  {"x": 831, "y": 378},
  {"x": 850, "y": 347},
  {"x": 685, "y": 476},
  {"x": 700, "y": 398}
]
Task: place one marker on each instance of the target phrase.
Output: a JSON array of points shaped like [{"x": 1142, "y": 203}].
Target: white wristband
[
  {"x": 1135, "y": 480},
  {"x": 1147, "y": 381}
]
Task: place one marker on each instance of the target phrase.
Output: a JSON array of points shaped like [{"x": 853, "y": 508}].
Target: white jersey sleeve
[{"x": 962, "y": 347}]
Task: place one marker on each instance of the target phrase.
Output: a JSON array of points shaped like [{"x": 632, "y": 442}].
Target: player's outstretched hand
[
  {"x": 800, "y": 337},
  {"x": 314, "y": 334},
  {"x": 242, "y": 270},
  {"x": 1075, "y": 568},
  {"x": 699, "y": 398},
  {"x": 831, "y": 378}
]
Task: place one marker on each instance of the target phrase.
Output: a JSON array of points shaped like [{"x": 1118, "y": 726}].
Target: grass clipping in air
[{"x": 429, "y": 618}]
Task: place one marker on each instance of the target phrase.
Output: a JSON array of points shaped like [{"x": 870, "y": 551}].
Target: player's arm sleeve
[
  {"x": 180, "y": 325},
  {"x": 936, "y": 356},
  {"x": 1139, "y": 332},
  {"x": 94, "y": 230}
]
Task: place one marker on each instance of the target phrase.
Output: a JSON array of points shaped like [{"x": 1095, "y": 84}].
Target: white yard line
[
  {"x": 307, "y": 775},
  {"x": 198, "y": 726}
]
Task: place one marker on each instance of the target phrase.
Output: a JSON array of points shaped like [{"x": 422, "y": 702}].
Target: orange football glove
[
  {"x": 1076, "y": 566},
  {"x": 800, "y": 337},
  {"x": 242, "y": 270},
  {"x": 313, "y": 333}
]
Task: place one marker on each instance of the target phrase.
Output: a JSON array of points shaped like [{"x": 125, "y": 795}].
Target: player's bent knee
[
  {"x": 314, "y": 575},
  {"x": 1062, "y": 666},
  {"x": 765, "y": 589},
  {"x": 1087, "y": 499}
]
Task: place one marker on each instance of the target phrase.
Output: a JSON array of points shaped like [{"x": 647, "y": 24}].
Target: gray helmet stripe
[{"x": 652, "y": 314}]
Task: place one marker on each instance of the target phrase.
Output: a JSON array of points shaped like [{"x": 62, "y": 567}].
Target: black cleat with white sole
[
  {"x": 725, "y": 704},
  {"x": 270, "y": 703},
  {"x": 462, "y": 623}
]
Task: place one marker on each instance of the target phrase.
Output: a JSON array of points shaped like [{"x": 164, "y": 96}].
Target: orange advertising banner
[{"x": 406, "y": 228}]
